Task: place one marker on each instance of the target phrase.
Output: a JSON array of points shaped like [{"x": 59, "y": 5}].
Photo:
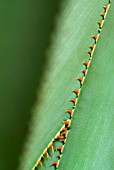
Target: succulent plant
[{"x": 72, "y": 120}]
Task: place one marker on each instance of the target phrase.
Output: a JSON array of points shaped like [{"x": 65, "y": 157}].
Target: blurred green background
[{"x": 25, "y": 30}]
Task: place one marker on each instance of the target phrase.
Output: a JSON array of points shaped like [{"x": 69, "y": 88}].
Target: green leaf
[
  {"x": 76, "y": 23},
  {"x": 90, "y": 144}
]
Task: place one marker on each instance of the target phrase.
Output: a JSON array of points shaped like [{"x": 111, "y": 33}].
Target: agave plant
[
  {"x": 82, "y": 138},
  {"x": 72, "y": 122}
]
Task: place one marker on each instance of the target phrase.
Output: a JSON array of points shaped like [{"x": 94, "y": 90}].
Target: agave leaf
[
  {"x": 90, "y": 144},
  {"x": 70, "y": 42}
]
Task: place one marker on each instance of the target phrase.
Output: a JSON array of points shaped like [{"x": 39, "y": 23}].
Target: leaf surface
[
  {"x": 76, "y": 24},
  {"x": 90, "y": 144}
]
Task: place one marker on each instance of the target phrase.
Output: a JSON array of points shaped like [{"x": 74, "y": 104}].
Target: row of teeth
[{"x": 63, "y": 132}]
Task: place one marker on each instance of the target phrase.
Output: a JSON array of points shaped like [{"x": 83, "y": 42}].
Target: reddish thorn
[
  {"x": 46, "y": 153},
  {"x": 90, "y": 52},
  {"x": 63, "y": 129},
  {"x": 70, "y": 112},
  {"x": 103, "y": 15},
  {"x": 59, "y": 137},
  {"x": 87, "y": 64},
  {"x": 96, "y": 37},
  {"x": 100, "y": 23},
  {"x": 42, "y": 157},
  {"x": 55, "y": 164},
  {"x": 51, "y": 147},
  {"x": 106, "y": 7},
  {"x": 64, "y": 134},
  {"x": 73, "y": 101},
  {"x": 81, "y": 79},
  {"x": 40, "y": 163},
  {"x": 84, "y": 71},
  {"x": 92, "y": 47},
  {"x": 76, "y": 91},
  {"x": 67, "y": 123},
  {"x": 60, "y": 149}
]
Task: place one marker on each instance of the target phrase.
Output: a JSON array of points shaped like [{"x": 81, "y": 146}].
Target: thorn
[
  {"x": 84, "y": 71},
  {"x": 81, "y": 80},
  {"x": 70, "y": 112},
  {"x": 67, "y": 123},
  {"x": 87, "y": 64},
  {"x": 64, "y": 134},
  {"x": 103, "y": 15},
  {"x": 76, "y": 91},
  {"x": 55, "y": 164},
  {"x": 58, "y": 137},
  {"x": 92, "y": 47},
  {"x": 60, "y": 149},
  {"x": 42, "y": 157},
  {"x": 106, "y": 7},
  {"x": 63, "y": 129},
  {"x": 46, "y": 153},
  {"x": 95, "y": 37},
  {"x": 74, "y": 101},
  {"x": 51, "y": 147},
  {"x": 90, "y": 52},
  {"x": 39, "y": 163},
  {"x": 100, "y": 24}
]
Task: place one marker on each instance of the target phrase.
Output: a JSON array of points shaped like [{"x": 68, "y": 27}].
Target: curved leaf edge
[{"x": 62, "y": 134}]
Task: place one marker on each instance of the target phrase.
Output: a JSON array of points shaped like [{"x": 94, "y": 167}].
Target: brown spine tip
[
  {"x": 92, "y": 47},
  {"x": 40, "y": 163},
  {"x": 46, "y": 153},
  {"x": 60, "y": 149},
  {"x": 70, "y": 112},
  {"x": 103, "y": 15},
  {"x": 67, "y": 123},
  {"x": 100, "y": 23},
  {"x": 80, "y": 79},
  {"x": 76, "y": 91},
  {"x": 106, "y": 7},
  {"x": 58, "y": 137},
  {"x": 42, "y": 157},
  {"x": 63, "y": 129},
  {"x": 51, "y": 147},
  {"x": 87, "y": 64},
  {"x": 74, "y": 101},
  {"x": 64, "y": 134},
  {"x": 95, "y": 37},
  {"x": 90, "y": 52},
  {"x": 84, "y": 71},
  {"x": 55, "y": 164}
]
